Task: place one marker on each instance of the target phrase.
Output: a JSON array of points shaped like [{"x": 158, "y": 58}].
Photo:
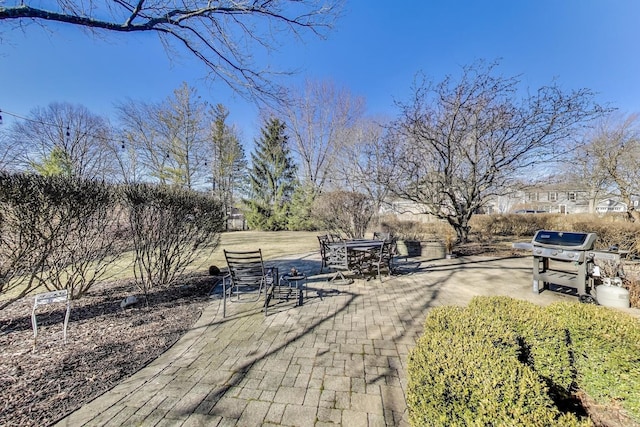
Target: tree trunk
[
  {"x": 633, "y": 215},
  {"x": 462, "y": 229}
]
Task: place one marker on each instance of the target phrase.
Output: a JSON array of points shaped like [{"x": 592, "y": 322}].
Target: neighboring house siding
[
  {"x": 551, "y": 201},
  {"x": 544, "y": 199},
  {"x": 611, "y": 205},
  {"x": 554, "y": 200}
]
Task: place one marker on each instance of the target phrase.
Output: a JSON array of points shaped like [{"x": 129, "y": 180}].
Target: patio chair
[
  {"x": 324, "y": 243},
  {"x": 379, "y": 235},
  {"x": 247, "y": 275},
  {"x": 338, "y": 259},
  {"x": 386, "y": 253}
]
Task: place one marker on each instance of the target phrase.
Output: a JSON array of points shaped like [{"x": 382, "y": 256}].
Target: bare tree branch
[{"x": 223, "y": 34}]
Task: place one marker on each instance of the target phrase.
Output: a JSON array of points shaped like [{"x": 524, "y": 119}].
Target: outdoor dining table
[{"x": 359, "y": 251}]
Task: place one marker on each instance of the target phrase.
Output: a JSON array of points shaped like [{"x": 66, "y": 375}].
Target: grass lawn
[{"x": 274, "y": 245}]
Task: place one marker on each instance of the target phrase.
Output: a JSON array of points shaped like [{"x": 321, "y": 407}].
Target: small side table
[{"x": 297, "y": 282}]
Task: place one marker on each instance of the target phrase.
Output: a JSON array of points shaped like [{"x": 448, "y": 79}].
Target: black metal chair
[
  {"x": 379, "y": 235},
  {"x": 338, "y": 259},
  {"x": 385, "y": 258},
  {"x": 324, "y": 243},
  {"x": 247, "y": 275}
]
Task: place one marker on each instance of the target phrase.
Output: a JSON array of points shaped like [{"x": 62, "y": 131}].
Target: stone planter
[
  {"x": 433, "y": 250},
  {"x": 409, "y": 248},
  {"x": 415, "y": 248}
]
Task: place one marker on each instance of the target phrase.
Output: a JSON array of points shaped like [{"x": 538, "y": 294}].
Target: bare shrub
[
  {"x": 434, "y": 231},
  {"x": 611, "y": 232},
  {"x": 632, "y": 283},
  {"x": 518, "y": 225},
  {"x": 82, "y": 237},
  {"x": 409, "y": 230},
  {"x": 170, "y": 227},
  {"x": 345, "y": 212},
  {"x": 22, "y": 250}
]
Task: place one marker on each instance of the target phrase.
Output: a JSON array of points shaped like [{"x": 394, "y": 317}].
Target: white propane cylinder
[{"x": 612, "y": 296}]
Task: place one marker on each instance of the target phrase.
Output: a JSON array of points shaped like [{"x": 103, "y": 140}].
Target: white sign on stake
[{"x": 50, "y": 298}]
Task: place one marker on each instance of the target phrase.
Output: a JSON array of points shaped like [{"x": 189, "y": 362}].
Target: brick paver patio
[{"x": 340, "y": 359}]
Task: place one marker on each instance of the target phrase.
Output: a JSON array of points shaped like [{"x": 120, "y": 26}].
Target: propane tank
[{"x": 612, "y": 296}]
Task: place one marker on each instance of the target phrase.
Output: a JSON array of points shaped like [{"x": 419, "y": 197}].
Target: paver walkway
[{"x": 340, "y": 359}]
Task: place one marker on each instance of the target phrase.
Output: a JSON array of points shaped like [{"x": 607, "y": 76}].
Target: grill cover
[{"x": 564, "y": 239}]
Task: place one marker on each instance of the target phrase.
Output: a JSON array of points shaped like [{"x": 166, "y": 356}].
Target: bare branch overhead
[{"x": 223, "y": 34}]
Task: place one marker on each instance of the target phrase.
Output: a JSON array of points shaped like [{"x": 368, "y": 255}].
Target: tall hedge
[
  {"x": 56, "y": 232},
  {"x": 170, "y": 227}
]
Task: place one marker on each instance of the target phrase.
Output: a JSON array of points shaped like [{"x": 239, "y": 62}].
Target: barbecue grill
[{"x": 565, "y": 259}]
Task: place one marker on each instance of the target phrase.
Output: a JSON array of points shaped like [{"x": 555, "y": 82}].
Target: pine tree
[{"x": 272, "y": 179}]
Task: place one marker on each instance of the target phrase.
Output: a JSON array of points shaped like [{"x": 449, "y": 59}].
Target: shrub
[
  {"x": 610, "y": 229},
  {"x": 606, "y": 348},
  {"x": 56, "y": 232},
  {"x": 501, "y": 361},
  {"x": 415, "y": 230},
  {"x": 624, "y": 235},
  {"x": 344, "y": 212},
  {"x": 170, "y": 227},
  {"x": 482, "y": 380},
  {"x": 517, "y": 225}
]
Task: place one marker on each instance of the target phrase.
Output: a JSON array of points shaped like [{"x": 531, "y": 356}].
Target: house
[
  {"x": 544, "y": 198},
  {"x": 558, "y": 198},
  {"x": 611, "y": 205}
]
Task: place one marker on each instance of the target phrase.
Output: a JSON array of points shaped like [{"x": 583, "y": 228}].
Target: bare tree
[
  {"x": 183, "y": 126},
  {"x": 345, "y": 212},
  {"x": 229, "y": 163},
  {"x": 166, "y": 141},
  {"x": 141, "y": 153},
  {"x": 582, "y": 171},
  {"x": 8, "y": 161},
  {"x": 366, "y": 161},
  {"x": 612, "y": 158},
  {"x": 319, "y": 117},
  {"x": 223, "y": 34},
  {"x": 64, "y": 132},
  {"x": 465, "y": 142}
]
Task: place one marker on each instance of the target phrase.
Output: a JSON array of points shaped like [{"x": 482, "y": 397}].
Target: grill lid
[{"x": 564, "y": 239}]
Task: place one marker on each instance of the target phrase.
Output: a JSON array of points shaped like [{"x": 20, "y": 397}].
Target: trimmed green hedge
[
  {"x": 606, "y": 349},
  {"x": 502, "y": 361}
]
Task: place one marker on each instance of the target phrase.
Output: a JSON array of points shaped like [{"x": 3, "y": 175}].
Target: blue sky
[{"x": 375, "y": 50}]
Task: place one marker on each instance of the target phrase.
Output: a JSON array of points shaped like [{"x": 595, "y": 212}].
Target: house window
[
  {"x": 553, "y": 196},
  {"x": 532, "y": 197},
  {"x": 572, "y": 196}
]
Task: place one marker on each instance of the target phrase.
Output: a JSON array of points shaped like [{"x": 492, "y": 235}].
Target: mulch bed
[{"x": 105, "y": 344}]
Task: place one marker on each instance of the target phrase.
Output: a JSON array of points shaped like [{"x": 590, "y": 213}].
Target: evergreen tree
[
  {"x": 300, "y": 217},
  {"x": 272, "y": 179},
  {"x": 57, "y": 163}
]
